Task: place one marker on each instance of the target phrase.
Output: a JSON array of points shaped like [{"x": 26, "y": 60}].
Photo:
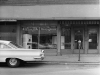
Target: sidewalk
[{"x": 72, "y": 59}]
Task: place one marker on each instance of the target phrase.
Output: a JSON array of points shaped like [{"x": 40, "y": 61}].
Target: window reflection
[
  {"x": 92, "y": 38},
  {"x": 66, "y": 37},
  {"x": 43, "y": 37},
  {"x": 48, "y": 38},
  {"x": 8, "y": 31},
  {"x": 78, "y": 36}
]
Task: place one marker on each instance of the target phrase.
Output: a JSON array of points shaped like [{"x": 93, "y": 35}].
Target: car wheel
[{"x": 13, "y": 62}]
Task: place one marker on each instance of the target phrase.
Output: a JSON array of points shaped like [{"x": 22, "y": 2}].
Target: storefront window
[
  {"x": 48, "y": 37},
  {"x": 8, "y": 31},
  {"x": 66, "y": 37},
  {"x": 93, "y": 38},
  {"x": 43, "y": 36}
]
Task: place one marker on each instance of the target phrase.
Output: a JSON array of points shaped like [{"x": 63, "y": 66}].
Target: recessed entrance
[{"x": 78, "y": 35}]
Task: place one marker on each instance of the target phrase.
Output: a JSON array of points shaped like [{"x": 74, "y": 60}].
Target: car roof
[{"x": 4, "y": 41}]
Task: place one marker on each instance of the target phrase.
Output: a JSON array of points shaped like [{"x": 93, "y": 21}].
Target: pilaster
[{"x": 58, "y": 40}]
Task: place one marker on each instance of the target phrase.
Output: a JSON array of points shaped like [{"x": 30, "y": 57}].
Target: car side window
[{"x": 3, "y": 46}]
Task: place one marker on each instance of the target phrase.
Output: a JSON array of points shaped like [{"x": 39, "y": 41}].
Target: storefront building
[{"x": 55, "y": 26}]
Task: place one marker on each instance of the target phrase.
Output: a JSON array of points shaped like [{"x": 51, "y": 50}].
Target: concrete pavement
[{"x": 73, "y": 59}]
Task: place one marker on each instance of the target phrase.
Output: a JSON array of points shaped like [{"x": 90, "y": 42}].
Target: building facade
[{"x": 56, "y": 26}]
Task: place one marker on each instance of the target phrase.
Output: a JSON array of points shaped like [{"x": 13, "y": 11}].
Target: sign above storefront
[
  {"x": 37, "y": 28},
  {"x": 31, "y": 23}
]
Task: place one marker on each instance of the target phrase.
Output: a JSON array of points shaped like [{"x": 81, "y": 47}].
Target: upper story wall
[
  {"x": 49, "y": 9},
  {"x": 46, "y": 2}
]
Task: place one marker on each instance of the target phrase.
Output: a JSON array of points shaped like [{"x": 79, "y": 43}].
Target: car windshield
[{"x": 15, "y": 45}]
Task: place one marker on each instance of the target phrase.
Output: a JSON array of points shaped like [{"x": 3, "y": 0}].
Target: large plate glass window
[
  {"x": 8, "y": 31},
  {"x": 44, "y": 34},
  {"x": 92, "y": 32},
  {"x": 66, "y": 37}
]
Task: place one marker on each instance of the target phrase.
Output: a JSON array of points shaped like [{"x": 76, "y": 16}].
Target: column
[
  {"x": 72, "y": 39},
  {"x": 58, "y": 40},
  {"x": 99, "y": 40},
  {"x": 18, "y": 36},
  {"x": 86, "y": 40}
]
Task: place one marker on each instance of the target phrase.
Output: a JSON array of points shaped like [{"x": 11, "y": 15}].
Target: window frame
[{"x": 8, "y": 47}]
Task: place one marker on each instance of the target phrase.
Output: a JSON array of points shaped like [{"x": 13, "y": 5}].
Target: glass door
[
  {"x": 78, "y": 36},
  {"x": 92, "y": 40}
]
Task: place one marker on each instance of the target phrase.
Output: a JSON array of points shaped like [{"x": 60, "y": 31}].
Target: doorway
[
  {"x": 78, "y": 36},
  {"x": 93, "y": 39}
]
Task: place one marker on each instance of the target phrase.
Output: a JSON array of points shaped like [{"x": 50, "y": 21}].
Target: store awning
[{"x": 79, "y": 22}]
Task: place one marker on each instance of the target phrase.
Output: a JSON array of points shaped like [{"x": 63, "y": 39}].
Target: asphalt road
[{"x": 50, "y": 69}]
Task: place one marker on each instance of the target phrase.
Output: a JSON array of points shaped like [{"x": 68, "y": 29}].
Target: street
[{"x": 50, "y": 69}]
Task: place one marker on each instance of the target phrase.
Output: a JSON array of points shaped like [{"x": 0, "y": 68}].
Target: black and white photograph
[{"x": 49, "y": 37}]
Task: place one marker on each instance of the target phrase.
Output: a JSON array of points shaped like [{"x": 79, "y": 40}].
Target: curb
[{"x": 67, "y": 63}]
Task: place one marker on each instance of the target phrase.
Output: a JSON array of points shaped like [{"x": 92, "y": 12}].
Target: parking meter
[{"x": 79, "y": 45}]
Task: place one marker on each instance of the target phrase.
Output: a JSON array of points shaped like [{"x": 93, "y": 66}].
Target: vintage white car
[{"x": 13, "y": 54}]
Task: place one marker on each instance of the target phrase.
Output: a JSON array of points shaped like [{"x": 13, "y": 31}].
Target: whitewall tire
[{"x": 13, "y": 62}]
